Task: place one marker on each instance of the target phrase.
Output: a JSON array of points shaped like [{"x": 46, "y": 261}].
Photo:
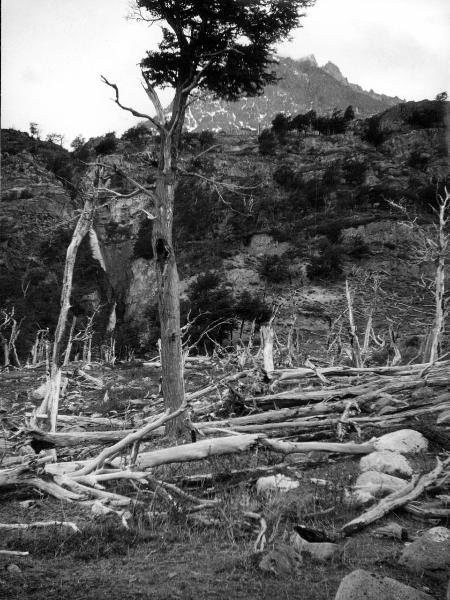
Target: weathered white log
[
  {"x": 293, "y": 447},
  {"x": 412, "y": 491},
  {"x": 350, "y": 371},
  {"x": 52, "y": 489},
  {"x": 38, "y": 524},
  {"x": 129, "y": 440},
  {"x": 13, "y": 475},
  {"x": 195, "y": 451}
]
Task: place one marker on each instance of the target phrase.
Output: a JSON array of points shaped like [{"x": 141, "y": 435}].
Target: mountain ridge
[{"x": 303, "y": 86}]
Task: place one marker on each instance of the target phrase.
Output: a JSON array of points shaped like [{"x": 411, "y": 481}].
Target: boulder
[
  {"x": 282, "y": 560},
  {"x": 362, "y": 585},
  {"x": 404, "y": 441},
  {"x": 318, "y": 550},
  {"x": 430, "y": 553},
  {"x": 372, "y": 484},
  {"x": 386, "y": 461},
  {"x": 276, "y": 483}
]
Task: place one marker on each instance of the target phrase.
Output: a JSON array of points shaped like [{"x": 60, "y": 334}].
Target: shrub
[
  {"x": 355, "y": 172},
  {"x": 267, "y": 142},
  {"x": 274, "y": 269},
  {"x": 207, "y": 138},
  {"x": 327, "y": 263},
  {"x": 418, "y": 160},
  {"x": 107, "y": 145},
  {"x": 280, "y": 126},
  {"x": 358, "y": 247},
  {"x": 331, "y": 176},
  {"x": 373, "y": 134},
  {"x": 284, "y": 176},
  {"x": 211, "y": 310},
  {"x": 138, "y": 136},
  {"x": 428, "y": 114},
  {"x": 252, "y": 308}
]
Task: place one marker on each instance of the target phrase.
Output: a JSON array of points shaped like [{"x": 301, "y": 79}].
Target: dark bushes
[
  {"x": 326, "y": 263},
  {"x": 107, "y": 145},
  {"x": 274, "y": 269}
]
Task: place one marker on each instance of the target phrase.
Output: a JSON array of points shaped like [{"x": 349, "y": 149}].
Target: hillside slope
[{"x": 286, "y": 227}]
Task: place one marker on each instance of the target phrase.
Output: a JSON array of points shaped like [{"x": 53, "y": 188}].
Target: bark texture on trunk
[{"x": 168, "y": 289}]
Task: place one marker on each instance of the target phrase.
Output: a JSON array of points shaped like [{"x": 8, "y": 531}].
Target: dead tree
[
  {"x": 89, "y": 195},
  {"x": 9, "y": 332},
  {"x": 437, "y": 251}
]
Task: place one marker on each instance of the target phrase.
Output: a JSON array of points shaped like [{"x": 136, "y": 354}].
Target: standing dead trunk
[
  {"x": 267, "y": 344},
  {"x": 51, "y": 401},
  {"x": 432, "y": 344},
  {"x": 356, "y": 348},
  {"x": 168, "y": 290}
]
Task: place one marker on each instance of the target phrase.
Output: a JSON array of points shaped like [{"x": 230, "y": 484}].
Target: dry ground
[{"x": 166, "y": 555}]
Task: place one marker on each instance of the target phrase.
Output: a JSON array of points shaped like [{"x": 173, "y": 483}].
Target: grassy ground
[{"x": 165, "y": 554}]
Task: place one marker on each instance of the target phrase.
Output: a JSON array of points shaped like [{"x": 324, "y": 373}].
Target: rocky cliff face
[
  {"x": 287, "y": 226},
  {"x": 303, "y": 86}
]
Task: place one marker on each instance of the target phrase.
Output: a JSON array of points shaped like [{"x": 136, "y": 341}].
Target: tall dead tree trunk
[
  {"x": 50, "y": 403},
  {"x": 439, "y": 249}
]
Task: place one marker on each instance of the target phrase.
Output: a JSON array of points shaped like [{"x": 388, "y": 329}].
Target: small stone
[
  {"x": 14, "y": 570},
  {"x": 430, "y": 553},
  {"x": 282, "y": 560},
  {"x": 362, "y": 585},
  {"x": 404, "y": 441},
  {"x": 276, "y": 483},
  {"x": 391, "y": 530},
  {"x": 319, "y": 550},
  {"x": 385, "y": 461}
]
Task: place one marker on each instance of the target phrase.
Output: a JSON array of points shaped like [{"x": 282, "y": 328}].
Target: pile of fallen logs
[{"x": 323, "y": 404}]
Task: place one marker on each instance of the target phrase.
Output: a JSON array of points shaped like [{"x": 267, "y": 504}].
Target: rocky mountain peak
[
  {"x": 309, "y": 59},
  {"x": 335, "y": 72}
]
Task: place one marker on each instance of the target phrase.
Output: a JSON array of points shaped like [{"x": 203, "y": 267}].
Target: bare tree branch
[
  {"x": 134, "y": 112},
  {"x": 153, "y": 96}
]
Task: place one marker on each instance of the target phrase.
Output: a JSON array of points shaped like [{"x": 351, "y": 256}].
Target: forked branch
[{"x": 134, "y": 112}]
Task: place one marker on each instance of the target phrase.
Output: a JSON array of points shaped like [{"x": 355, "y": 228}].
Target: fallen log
[
  {"x": 350, "y": 371},
  {"x": 427, "y": 511},
  {"x": 293, "y": 447},
  {"x": 196, "y": 451},
  {"x": 38, "y": 524},
  {"x": 129, "y": 440},
  {"x": 407, "y": 494}
]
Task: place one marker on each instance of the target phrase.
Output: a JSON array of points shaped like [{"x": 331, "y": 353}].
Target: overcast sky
[{"x": 53, "y": 52}]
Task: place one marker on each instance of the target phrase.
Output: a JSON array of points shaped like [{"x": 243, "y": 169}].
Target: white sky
[{"x": 53, "y": 52}]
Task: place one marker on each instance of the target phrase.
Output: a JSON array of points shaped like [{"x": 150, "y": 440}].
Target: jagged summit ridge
[{"x": 303, "y": 86}]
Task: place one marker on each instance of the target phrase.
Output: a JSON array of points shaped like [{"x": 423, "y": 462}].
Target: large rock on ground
[
  {"x": 372, "y": 484},
  {"x": 321, "y": 551},
  {"x": 386, "y": 461},
  {"x": 430, "y": 553},
  {"x": 362, "y": 585},
  {"x": 404, "y": 441}
]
